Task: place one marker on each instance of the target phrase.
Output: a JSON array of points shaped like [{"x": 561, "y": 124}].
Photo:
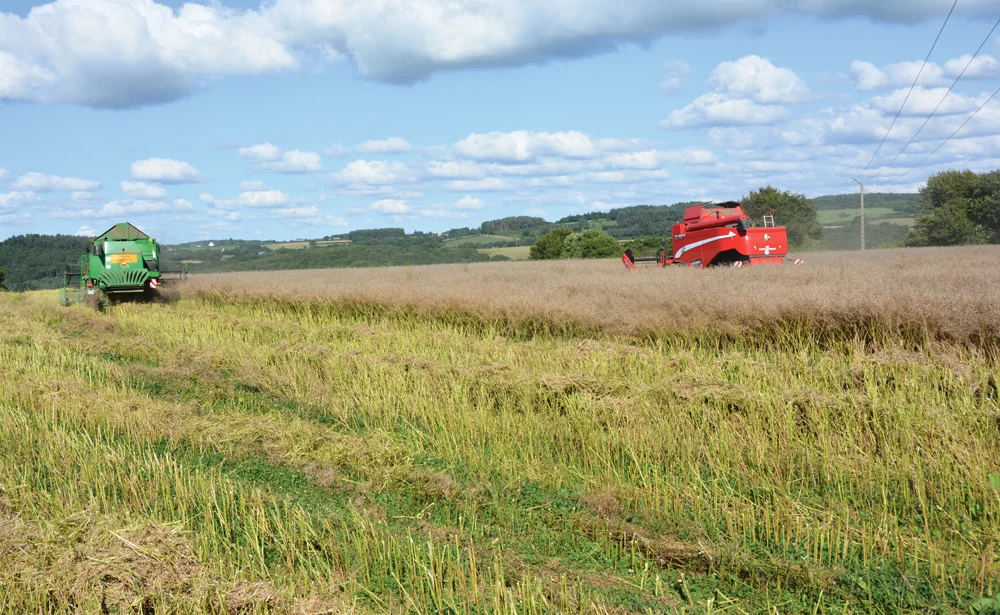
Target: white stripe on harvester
[{"x": 702, "y": 242}]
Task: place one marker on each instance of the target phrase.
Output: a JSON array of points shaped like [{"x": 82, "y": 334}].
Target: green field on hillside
[
  {"x": 828, "y": 217},
  {"x": 477, "y": 240},
  {"x": 516, "y": 253}
]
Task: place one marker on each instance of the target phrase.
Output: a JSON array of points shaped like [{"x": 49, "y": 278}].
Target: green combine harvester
[{"x": 121, "y": 264}]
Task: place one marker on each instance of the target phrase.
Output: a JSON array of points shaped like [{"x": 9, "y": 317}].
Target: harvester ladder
[{"x": 768, "y": 220}]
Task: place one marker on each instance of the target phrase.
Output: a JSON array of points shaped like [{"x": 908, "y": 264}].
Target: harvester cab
[
  {"x": 721, "y": 235},
  {"x": 120, "y": 264}
]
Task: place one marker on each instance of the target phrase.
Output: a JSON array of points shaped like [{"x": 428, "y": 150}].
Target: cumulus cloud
[
  {"x": 337, "y": 150},
  {"x": 10, "y": 200},
  {"x": 295, "y": 161},
  {"x": 150, "y": 54},
  {"x": 716, "y": 109},
  {"x": 307, "y": 215},
  {"x": 4, "y": 173},
  {"x": 153, "y": 53},
  {"x": 119, "y": 209},
  {"x": 390, "y": 206},
  {"x": 747, "y": 91},
  {"x": 522, "y": 146},
  {"x": 468, "y": 202},
  {"x": 392, "y": 145},
  {"x": 674, "y": 74},
  {"x": 980, "y": 67},
  {"x": 265, "y": 152},
  {"x": 923, "y": 101},
  {"x": 756, "y": 78},
  {"x": 263, "y": 198},
  {"x": 253, "y": 184},
  {"x": 375, "y": 172},
  {"x": 86, "y": 231},
  {"x": 272, "y": 158},
  {"x": 51, "y": 183},
  {"x": 490, "y": 184},
  {"x": 139, "y": 190},
  {"x": 867, "y": 76},
  {"x": 166, "y": 171}
]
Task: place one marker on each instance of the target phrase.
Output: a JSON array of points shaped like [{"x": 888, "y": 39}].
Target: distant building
[{"x": 211, "y": 244}]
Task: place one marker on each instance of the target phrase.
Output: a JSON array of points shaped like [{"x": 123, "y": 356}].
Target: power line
[
  {"x": 940, "y": 102},
  {"x": 933, "y": 45},
  {"x": 974, "y": 113}
]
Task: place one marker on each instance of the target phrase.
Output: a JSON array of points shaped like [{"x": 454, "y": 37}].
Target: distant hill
[
  {"x": 32, "y": 262},
  {"x": 37, "y": 261}
]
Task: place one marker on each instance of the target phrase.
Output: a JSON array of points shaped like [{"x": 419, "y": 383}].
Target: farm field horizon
[{"x": 527, "y": 437}]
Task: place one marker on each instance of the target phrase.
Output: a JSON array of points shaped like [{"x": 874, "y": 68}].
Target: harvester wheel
[{"x": 94, "y": 301}]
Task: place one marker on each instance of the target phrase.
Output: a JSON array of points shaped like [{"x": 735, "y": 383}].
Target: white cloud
[
  {"x": 441, "y": 213},
  {"x": 716, "y": 109},
  {"x": 491, "y": 184},
  {"x": 674, "y": 74},
  {"x": 86, "y": 231},
  {"x": 272, "y": 158},
  {"x": 756, "y": 78},
  {"x": 452, "y": 169},
  {"x": 265, "y": 152},
  {"x": 296, "y": 212},
  {"x": 252, "y": 184},
  {"x": 151, "y": 53},
  {"x": 84, "y": 197},
  {"x": 166, "y": 171},
  {"x": 121, "y": 209},
  {"x": 468, "y": 202},
  {"x": 392, "y": 145},
  {"x": 208, "y": 198},
  {"x": 375, "y": 172},
  {"x": 390, "y": 206},
  {"x": 732, "y": 138},
  {"x": 522, "y": 146},
  {"x": 981, "y": 67},
  {"x": 139, "y": 190},
  {"x": 182, "y": 205},
  {"x": 263, "y": 198},
  {"x": 867, "y": 76},
  {"x": 10, "y": 200},
  {"x": 922, "y": 102},
  {"x": 337, "y": 150},
  {"x": 746, "y": 91},
  {"x": 50, "y": 183},
  {"x": 154, "y": 53},
  {"x": 4, "y": 173},
  {"x": 295, "y": 161}
]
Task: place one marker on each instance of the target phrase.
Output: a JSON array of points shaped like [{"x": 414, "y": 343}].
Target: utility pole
[{"x": 862, "y": 213}]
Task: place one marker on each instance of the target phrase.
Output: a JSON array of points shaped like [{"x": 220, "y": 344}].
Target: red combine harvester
[{"x": 721, "y": 235}]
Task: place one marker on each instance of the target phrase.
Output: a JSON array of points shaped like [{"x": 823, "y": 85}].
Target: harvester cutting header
[
  {"x": 722, "y": 234},
  {"x": 120, "y": 264}
]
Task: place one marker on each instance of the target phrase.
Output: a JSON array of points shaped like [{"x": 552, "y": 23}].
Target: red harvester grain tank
[{"x": 722, "y": 234}]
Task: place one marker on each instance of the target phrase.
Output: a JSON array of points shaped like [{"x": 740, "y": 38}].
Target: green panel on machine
[{"x": 121, "y": 263}]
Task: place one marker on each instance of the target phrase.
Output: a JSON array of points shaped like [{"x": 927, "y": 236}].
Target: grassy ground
[
  {"x": 518, "y": 253},
  {"x": 250, "y": 454}
]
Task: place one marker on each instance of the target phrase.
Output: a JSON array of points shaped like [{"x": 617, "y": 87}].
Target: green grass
[
  {"x": 266, "y": 456},
  {"x": 518, "y": 253}
]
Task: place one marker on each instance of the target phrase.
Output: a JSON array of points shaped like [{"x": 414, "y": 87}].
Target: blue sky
[{"x": 304, "y": 118}]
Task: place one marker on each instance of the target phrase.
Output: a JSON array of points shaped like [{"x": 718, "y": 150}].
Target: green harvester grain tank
[{"x": 121, "y": 264}]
